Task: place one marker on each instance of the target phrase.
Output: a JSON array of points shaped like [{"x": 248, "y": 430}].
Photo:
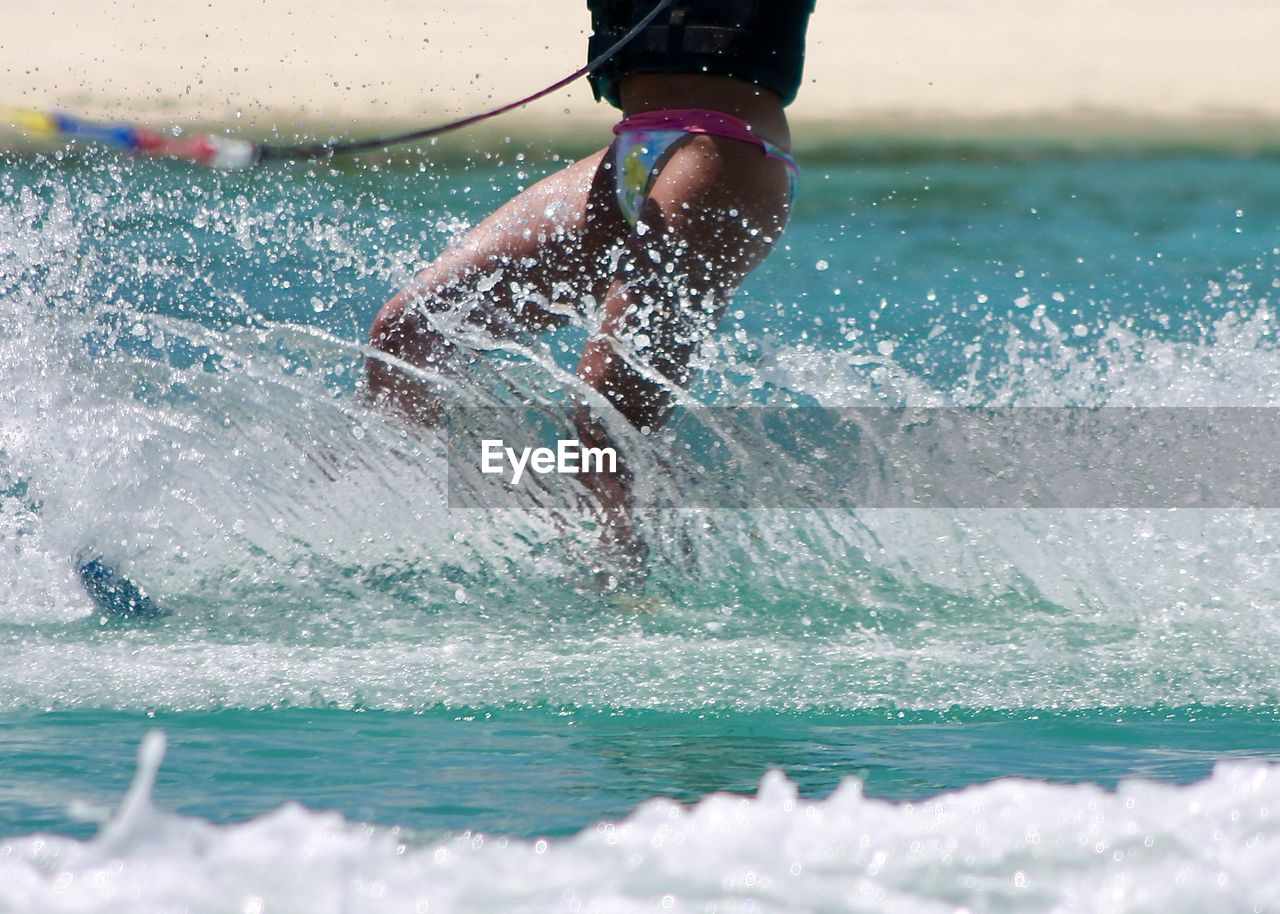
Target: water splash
[{"x": 166, "y": 410}]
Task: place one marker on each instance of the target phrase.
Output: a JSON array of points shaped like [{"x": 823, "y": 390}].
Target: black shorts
[{"x": 760, "y": 41}]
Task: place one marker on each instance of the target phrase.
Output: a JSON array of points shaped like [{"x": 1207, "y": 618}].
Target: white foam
[{"x": 1009, "y": 846}]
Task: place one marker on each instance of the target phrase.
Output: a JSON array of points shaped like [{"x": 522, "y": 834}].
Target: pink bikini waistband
[{"x": 699, "y": 120}]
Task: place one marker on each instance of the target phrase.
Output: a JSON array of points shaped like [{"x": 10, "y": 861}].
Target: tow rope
[{"x": 228, "y": 152}]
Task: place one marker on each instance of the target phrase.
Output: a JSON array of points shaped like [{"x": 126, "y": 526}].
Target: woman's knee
[
  {"x": 402, "y": 326},
  {"x": 400, "y": 329}
]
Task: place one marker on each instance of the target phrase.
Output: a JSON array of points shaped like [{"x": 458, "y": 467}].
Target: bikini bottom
[{"x": 644, "y": 142}]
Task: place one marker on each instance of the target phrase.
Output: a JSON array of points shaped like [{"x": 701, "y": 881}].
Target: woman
[{"x": 659, "y": 228}]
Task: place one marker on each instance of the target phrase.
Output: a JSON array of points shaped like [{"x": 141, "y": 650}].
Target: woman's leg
[
  {"x": 712, "y": 215},
  {"x": 550, "y": 244}
]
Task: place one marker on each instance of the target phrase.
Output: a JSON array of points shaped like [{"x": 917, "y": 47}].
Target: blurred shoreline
[
  {"x": 814, "y": 141},
  {"x": 1038, "y": 75}
]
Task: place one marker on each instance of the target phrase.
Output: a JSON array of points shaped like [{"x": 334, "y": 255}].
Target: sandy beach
[{"x": 874, "y": 66}]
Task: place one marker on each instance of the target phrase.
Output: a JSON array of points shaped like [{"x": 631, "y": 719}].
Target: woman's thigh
[
  {"x": 714, "y": 212},
  {"x": 537, "y": 255}
]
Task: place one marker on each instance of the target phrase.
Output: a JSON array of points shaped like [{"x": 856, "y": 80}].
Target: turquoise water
[
  {"x": 533, "y": 772},
  {"x": 181, "y": 351}
]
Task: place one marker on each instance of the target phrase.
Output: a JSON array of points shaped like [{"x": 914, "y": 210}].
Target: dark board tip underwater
[{"x": 115, "y": 595}]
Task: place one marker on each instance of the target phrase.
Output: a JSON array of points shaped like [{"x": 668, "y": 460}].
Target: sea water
[{"x": 372, "y": 700}]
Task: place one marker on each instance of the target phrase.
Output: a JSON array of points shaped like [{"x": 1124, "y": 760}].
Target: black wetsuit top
[{"x": 761, "y": 41}]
